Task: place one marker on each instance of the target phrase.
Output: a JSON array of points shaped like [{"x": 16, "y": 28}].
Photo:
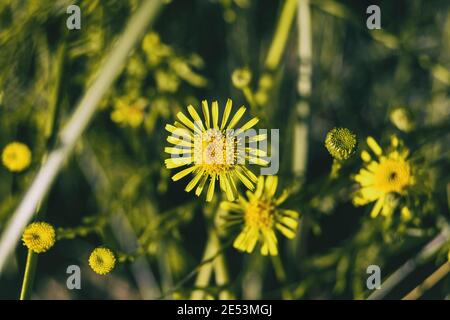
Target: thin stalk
[
  {"x": 429, "y": 282},
  {"x": 28, "y": 277},
  {"x": 280, "y": 274},
  {"x": 281, "y": 34},
  {"x": 301, "y": 127},
  {"x": 410, "y": 265},
  {"x": 205, "y": 272},
  {"x": 77, "y": 124},
  {"x": 222, "y": 277}
]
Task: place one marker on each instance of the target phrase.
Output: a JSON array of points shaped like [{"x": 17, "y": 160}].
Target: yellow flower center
[
  {"x": 260, "y": 214},
  {"x": 102, "y": 260},
  {"x": 215, "y": 151},
  {"x": 392, "y": 176},
  {"x": 39, "y": 237}
]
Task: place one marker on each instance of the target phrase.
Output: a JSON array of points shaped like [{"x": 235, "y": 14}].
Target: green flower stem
[
  {"x": 28, "y": 277},
  {"x": 281, "y": 34},
  {"x": 335, "y": 168},
  {"x": 205, "y": 272},
  {"x": 280, "y": 274},
  {"x": 302, "y": 109},
  {"x": 248, "y": 94},
  {"x": 222, "y": 277}
]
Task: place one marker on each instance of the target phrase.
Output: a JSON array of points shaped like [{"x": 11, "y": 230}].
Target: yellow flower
[
  {"x": 154, "y": 49},
  {"x": 241, "y": 78},
  {"x": 261, "y": 215},
  {"x": 213, "y": 150},
  {"x": 39, "y": 237},
  {"x": 128, "y": 112},
  {"x": 166, "y": 81},
  {"x": 402, "y": 119},
  {"x": 341, "y": 143},
  {"x": 16, "y": 156},
  {"x": 385, "y": 178},
  {"x": 102, "y": 260}
]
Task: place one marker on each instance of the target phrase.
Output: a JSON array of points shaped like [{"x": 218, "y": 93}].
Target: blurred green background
[{"x": 115, "y": 190}]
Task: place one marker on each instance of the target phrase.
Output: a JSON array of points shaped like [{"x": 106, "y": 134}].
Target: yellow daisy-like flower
[
  {"x": 261, "y": 215},
  {"x": 102, "y": 260},
  {"x": 385, "y": 178},
  {"x": 39, "y": 237},
  {"x": 129, "y": 112},
  {"x": 16, "y": 156},
  {"x": 213, "y": 150}
]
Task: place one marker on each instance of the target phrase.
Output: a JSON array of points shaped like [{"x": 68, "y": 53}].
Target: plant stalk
[{"x": 28, "y": 277}]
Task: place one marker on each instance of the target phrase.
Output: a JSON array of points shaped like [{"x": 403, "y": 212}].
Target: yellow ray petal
[
  {"x": 288, "y": 233},
  {"x": 201, "y": 185},
  {"x": 259, "y": 187},
  {"x": 374, "y": 146},
  {"x": 183, "y": 173},
  {"x": 377, "y": 207},
  {"x": 365, "y": 156},
  {"x": 237, "y": 116},
  {"x": 205, "y": 110},
  {"x": 194, "y": 181},
  {"x": 185, "y": 120},
  {"x": 197, "y": 120},
  {"x": 245, "y": 180},
  {"x": 179, "y": 142},
  {"x": 226, "y": 114},
  {"x": 257, "y": 138},
  {"x": 215, "y": 114},
  {"x": 172, "y": 150},
  {"x": 271, "y": 185},
  {"x": 211, "y": 187},
  {"x": 177, "y": 162},
  {"x": 251, "y": 123}
]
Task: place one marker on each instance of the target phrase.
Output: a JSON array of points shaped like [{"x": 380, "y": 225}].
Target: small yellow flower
[
  {"x": 154, "y": 49},
  {"x": 261, "y": 215},
  {"x": 241, "y": 78},
  {"x": 129, "y": 112},
  {"x": 385, "y": 178},
  {"x": 212, "y": 150},
  {"x": 16, "y": 156},
  {"x": 402, "y": 119},
  {"x": 166, "y": 81},
  {"x": 341, "y": 143},
  {"x": 39, "y": 237},
  {"x": 102, "y": 260}
]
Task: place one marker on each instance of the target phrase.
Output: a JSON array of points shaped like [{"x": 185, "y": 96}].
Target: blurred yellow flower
[
  {"x": 154, "y": 49},
  {"x": 385, "y": 177},
  {"x": 102, "y": 260},
  {"x": 402, "y": 119},
  {"x": 39, "y": 237},
  {"x": 16, "y": 156},
  {"x": 211, "y": 149},
  {"x": 166, "y": 81},
  {"x": 129, "y": 112},
  {"x": 261, "y": 215},
  {"x": 241, "y": 78}
]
